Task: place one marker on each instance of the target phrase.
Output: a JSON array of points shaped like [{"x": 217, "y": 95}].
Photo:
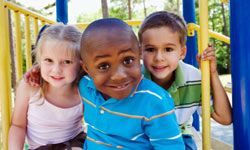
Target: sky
[{"x": 75, "y": 7}]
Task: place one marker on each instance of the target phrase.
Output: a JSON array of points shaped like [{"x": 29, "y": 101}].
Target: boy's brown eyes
[
  {"x": 106, "y": 66},
  {"x": 169, "y": 49},
  {"x": 153, "y": 49},
  {"x": 128, "y": 60},
  {"x": 103, "y": 66},
  {"x": 149, "y": 49}
]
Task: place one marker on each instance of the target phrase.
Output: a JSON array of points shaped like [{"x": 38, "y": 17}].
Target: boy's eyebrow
[
  {"x": 169, "y": 44},
  {"x": 101, "y": 56},
  {"x": 125, "y": 50},
  {"x": 107, "y": 55}
]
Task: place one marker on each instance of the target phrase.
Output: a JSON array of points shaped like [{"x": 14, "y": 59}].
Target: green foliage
[
  {"x": 220, "y": 25},
  {"x": 172, "y": 6},
  {"x": 119, "y": 9},
  {"x": 118, "y": 13}
]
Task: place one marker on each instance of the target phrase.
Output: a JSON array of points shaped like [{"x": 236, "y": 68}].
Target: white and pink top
[{"x": 49, "y": 124}]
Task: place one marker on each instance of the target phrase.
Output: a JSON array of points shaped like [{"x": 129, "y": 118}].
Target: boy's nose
[
  {"x": 159, "y": 56},
  {"x": 118, "y": 74}
]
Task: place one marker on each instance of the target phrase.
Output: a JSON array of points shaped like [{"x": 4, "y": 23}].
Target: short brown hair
[{"x": 167, "y": 19}]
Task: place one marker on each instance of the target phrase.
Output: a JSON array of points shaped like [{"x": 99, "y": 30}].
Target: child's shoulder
[
  {"x": 189, "y": 71},
  {"x": 26, "y": 88},
  {"x": 25, "y": 92},
  {"x": 86, "y": 85},
  {"x": 149, "y": 84},
  {"x": 152, "y": 95},
  {"x": 84, "y": 80},
  {"x": 152, "y": 89}
]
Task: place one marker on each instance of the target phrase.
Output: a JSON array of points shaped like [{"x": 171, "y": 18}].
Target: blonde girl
[{"x": 50, "y": 116}]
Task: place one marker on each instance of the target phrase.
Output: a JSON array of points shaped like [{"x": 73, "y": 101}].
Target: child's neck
[
  {"x": 165, "y": 83},
  {"x": 64, "y": 97},
  {"x": 62, "y": 90}
]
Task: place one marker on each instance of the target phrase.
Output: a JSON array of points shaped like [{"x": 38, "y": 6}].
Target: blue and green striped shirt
[{"x": 144, "y": 120}]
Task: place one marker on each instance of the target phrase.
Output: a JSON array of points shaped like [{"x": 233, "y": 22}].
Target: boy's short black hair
[
  {"x": 108, "y": 25},
  {"x": 167, "y": 19}
]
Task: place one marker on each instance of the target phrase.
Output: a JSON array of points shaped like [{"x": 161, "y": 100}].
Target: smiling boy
[{"x": 122, "y": 109}]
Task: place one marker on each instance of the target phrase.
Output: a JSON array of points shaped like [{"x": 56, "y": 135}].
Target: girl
[{"x": 50, "y": 116}]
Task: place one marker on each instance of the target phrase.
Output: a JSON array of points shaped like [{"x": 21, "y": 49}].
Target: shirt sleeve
[{"x": 162, "y": 128}]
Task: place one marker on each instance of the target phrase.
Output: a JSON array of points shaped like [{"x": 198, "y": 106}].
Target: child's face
[
  {"x": 161, "y": 51},
  {"x": 58, "y": 68},
  {"x": 114, "y": 64}
]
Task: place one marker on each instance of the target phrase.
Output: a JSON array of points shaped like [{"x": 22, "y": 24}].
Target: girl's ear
[{"x": 183, "y": 52}]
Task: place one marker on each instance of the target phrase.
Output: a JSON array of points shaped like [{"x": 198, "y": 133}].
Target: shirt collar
[
  {"x": 179, "y": 75},
  {"x": 179, "y": 79},
  {"x": 90, "y": 84}
]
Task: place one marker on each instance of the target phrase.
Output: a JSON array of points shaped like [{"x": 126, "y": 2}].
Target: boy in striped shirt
[
  {"x": 163, "y": 37},
  {"x": 121, "y": 108}
]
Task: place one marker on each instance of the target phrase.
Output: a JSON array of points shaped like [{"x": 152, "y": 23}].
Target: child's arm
[
  {"x": 222, "y": 108},
  {"x": 17, "y": 130}
]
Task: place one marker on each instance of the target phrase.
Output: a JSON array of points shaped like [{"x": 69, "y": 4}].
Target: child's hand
[
  {"x": 32, "y": 76},
  {"x": 209, "y": 54}
]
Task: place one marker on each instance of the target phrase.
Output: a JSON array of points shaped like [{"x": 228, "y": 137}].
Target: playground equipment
[{"x": 240, "y": 33}]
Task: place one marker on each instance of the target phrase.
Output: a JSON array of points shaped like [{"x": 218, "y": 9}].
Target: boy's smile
[{"x": 115, "y": 66}]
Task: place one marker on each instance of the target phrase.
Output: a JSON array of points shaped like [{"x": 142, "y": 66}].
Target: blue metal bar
[
  {"x": 189, "y": 16},
  {"x": 240, "y": 60},
  {"x": 62, "y": 11}
]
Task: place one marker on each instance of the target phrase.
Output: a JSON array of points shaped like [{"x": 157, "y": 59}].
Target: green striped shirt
[{"x": 186, "y": 92}]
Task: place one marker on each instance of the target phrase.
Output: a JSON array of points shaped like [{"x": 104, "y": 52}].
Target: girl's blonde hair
[{"x": 59, "y": 33}]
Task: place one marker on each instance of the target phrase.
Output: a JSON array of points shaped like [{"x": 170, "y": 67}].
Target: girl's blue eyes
[
  {"x": 67, "y": 62},
  {"x": 48, "y": 60}
]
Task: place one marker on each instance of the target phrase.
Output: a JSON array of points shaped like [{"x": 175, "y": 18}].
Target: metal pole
[
  {"x": 62, "y": 11},
  {"x": 5, "y": 73},
  {"x": 240, "y": 61},
  {"x": 205, "y": 88},
  {"x": 189, "y": 16}
]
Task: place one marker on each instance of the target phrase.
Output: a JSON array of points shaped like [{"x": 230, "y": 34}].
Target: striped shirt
[
  {"x": 186, "y": 92},
  {"x": 143, "y": 120}
]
